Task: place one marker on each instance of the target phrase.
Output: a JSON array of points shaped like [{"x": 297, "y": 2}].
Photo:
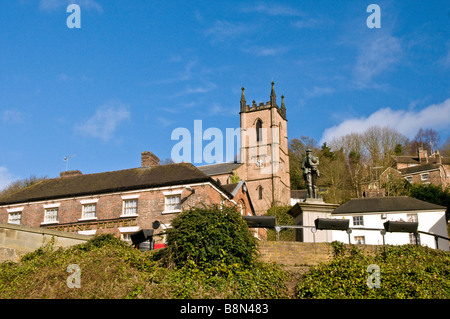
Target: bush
[
  {"x": 112, "y": 269},
  {"x": 282, "y": 218},
  {"x": 407, "y": 271},
  {"x": 210, "y": 237}
]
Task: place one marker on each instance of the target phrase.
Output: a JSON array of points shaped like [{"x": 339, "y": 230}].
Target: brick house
[
  {"x": 423, "y": 168},
  {"x": 120, "y": 202}
]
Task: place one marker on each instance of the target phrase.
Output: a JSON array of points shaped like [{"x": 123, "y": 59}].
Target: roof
[
  {"x": 107, "y": 182},
  {"x": 419, "y": 168},
  {"x": 385, "y": 204},
  {"x": 415, "y": 159},
  {"x": 219, "y": 169}
]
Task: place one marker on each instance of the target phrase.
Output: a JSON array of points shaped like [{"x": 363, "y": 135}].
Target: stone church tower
[
  {"x": 263, "y": 156},
  {"x": 264, "y": 152}
]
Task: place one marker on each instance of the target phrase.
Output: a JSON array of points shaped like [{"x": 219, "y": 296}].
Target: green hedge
[{"x": 407, "y": 271}]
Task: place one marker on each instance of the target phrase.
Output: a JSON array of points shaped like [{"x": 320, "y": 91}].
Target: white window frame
[
  {"x": 17, "y": 211},
  {"x": 359, "y": 223},
  {"x": 409, "y": 179},
  {"x": 424, "y": 176},
  {"x": 129, "y": 198},
  {"x": 48, "y": 208},
  {"x": 360, "y": 240},
  {"x": 84, "y": 204},
  {"x": 173, "y": 193}
]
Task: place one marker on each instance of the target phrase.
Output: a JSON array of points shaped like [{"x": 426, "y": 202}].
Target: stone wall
[{"x": 18, "y": 240}]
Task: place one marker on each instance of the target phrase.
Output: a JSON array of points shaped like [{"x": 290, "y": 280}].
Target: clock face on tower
[{"x": 259, "y": 162}]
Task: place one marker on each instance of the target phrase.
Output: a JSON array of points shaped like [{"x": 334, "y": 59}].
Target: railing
[{"x": 382, "y": 231}]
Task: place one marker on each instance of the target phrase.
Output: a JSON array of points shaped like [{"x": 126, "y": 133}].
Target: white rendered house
[{"x": 368, "y": 215}]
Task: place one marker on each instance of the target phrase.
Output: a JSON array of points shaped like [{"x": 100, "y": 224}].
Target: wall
[
  {"x": 17, "y": 240},
  {"x": 294, "y": 253}
]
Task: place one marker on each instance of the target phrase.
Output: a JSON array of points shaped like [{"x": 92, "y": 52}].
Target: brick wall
[{"x": 291, "y": 253}]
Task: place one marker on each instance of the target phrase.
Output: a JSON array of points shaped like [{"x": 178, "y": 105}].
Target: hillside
[{"x": 111, "y": 269}]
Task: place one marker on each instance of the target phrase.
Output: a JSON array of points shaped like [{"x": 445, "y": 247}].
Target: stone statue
[{"x": 310, "y": 167}]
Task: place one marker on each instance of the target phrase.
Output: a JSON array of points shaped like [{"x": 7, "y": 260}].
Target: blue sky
[{"x": 137, "y": 70}]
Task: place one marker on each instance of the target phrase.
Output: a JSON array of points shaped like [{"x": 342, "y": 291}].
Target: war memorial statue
[{"x": 310, "y": 167}]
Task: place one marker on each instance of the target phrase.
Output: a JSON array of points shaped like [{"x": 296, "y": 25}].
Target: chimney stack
[
  {"x": 423, "y": 155},
  {"x": 70, "y": 173},
  {"x": 148, "y": 159}
]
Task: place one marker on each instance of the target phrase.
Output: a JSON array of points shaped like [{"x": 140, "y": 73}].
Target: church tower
[{"x": 264, "y": 152}]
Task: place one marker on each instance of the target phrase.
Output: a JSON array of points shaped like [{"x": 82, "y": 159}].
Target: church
[
  {"x": 125, "y": 201},
  {"x": 264, "y": 159}
]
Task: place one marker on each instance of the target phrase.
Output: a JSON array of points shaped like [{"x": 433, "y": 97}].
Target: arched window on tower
[
  {"x": 260, "y": 192},
  {"x": 258, "y": 130}
]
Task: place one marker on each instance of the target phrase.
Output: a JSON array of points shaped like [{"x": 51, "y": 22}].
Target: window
[
  {"x": 15, "y": 215},
  {"x": 260, "y": 192},
  {"x": 361, "y": 240},
  {"x": 358, "y": 221},
  {"x": 258, "y": 130},
  {"x": 51, "y": 215},
  {"x": 14, "y": 218},
  {"x": 409, "y": 179},
  {"x": 173, "y": 203},
  {"x": 89, "y": 211},
  {"x": 130, "y": 207},
  {"x": 424, "y": 176},
  {"x": 126, "y": 237}
]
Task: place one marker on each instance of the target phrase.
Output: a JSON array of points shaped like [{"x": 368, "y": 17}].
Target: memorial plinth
[{"x": 305, "y": 213}]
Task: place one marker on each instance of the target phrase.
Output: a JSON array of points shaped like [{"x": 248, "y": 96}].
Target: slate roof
[
  {"x": 385, "y": 204},
  {"x": 415, "y": 159},
  {"x": 219, "y": 169},
  {"x": 419, "y": 168},
  {"x": 107, "y": 182}
]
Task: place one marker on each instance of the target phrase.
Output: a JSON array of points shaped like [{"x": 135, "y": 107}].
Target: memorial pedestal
[{"x": 305, "y": 213}]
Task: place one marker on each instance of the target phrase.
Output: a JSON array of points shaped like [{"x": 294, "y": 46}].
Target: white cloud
[
  {"x": 317, "y": 91},
  {"x": 266, "y": 51},
  {"x": 434, "y": 116},
  {"x": 5, "y": 177},
  {"x": 376, "y": 55},
  {"x": 51, "y": 5},
  {"x": 224, "y": 30},
  {"x": 11, "y": 116},
  {"x": 273, "y": 10},
  {"x": 105, "y": 121}
]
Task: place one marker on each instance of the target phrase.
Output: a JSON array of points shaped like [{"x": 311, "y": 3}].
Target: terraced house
[{"x": 120, "y": 202}]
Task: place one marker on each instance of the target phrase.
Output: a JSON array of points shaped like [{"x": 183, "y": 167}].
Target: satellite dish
[{"x": 156, "y": 224}]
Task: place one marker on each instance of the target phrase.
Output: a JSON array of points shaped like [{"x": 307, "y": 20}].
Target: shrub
[
  {"x": 407, "y": 271},
  {"x": 282, "y": 218},
  {"x": 210, "y": 237}
]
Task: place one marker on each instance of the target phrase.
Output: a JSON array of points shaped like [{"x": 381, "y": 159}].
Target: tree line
[{"x": 348, "y": 161}]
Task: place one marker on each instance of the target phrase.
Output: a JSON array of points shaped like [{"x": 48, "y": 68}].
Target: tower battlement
[{"x": 245, "y": 108}]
